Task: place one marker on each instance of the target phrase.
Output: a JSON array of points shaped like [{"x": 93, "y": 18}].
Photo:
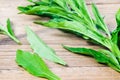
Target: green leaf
[
  {"x": 115, "y": 35},
  {"x": 82, "y": 51},
  {"x": 118, "y": 17},
  {"x": 39, "y": 2},
  {"x": 110, "y": 56},
  {"x": 25, "y": 9},
  {"x": 62, "y": 4},
  {"x": 101, "y": 56},
  {"x": 8, "y": 31},
  {"x": 112, "y": 60},
  {"x": 99, "y": 20},
  {"x": 51, "y": 11},
  {"x": 41, "y": 48},
  {"x": 75, "y": 27},
  {"x": 34, "y": 65},
  {"x": 9, "y": 28}
]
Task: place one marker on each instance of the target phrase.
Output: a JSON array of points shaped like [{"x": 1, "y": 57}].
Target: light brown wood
[
  {"x": 103, "y": 1},
  {"x": 80, "y": 67}
]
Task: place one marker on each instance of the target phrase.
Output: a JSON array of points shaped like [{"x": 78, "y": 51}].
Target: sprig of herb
[
  {"x": 8, "y": 31},
  {"x": 73, "y": 15}
]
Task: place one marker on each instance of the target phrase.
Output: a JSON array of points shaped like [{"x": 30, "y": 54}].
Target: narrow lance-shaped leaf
[
  {"x": 99, "y": 20},
  {"x": 9, "y": 28},
  {"x": 51, "y": 11},
  {"x": 62, "y": 4},
  {"x": 118, "y": 17},
  {"x": 97, "y": 55},
  {"x": 116, "y": 33},
  {"x": 34, "y": 65},
  {"x": 101, "y": 56},
  {"x": 41, "y": 48},
  {"x": 113, "y": 62},
  {"x": 39, "y": 2}
]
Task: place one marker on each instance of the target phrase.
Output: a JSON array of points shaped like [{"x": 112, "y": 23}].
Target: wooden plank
[
  {"x": 73, "y": 60},
  {"x": 103, "y": 1},
  {"x": 80, "y": 67},
  {"x": 58, "y": 48},
  {"x": 87, "y": 1},
  {"x": 75, "y": 73},
  {"x": 16, "y": 74}
]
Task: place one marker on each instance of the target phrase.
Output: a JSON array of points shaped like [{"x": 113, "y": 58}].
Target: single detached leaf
[
  {"x": 34, "y": 65},
  {"x": 41, "y": 48}
]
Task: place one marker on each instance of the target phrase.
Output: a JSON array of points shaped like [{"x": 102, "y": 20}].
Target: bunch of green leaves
[
  {"x": 8, "y": 31},
  {"x": 73, "y": 16}
]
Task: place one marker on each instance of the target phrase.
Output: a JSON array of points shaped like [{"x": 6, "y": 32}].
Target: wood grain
[
  {"x": 80, "y": 67},
  {"x": 101, "y": 2}
]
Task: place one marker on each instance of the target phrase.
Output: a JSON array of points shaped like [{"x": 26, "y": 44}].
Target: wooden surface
[{"x": 80, "y": 67}]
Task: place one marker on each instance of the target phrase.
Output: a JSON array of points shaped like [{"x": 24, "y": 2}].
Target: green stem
[
  {"x": 14, "y": 38},
  {"x": 114, "y": 49}
]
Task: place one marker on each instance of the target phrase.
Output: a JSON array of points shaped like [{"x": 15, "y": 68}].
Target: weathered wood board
[{"x": 80, "y": 67}]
